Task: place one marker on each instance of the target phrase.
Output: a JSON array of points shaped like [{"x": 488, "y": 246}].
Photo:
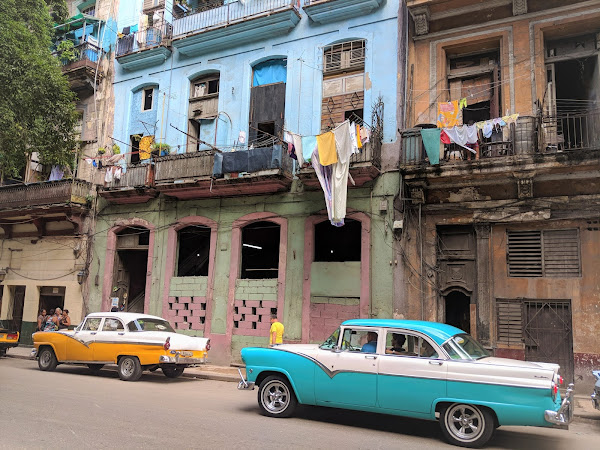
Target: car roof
[
  {"x": 125, "y": 316},
  {"x": 439, "y": 332}
]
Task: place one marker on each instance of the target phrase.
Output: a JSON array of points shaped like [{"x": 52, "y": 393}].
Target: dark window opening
[
  {"x": 458, "y": 311},
  {"x": 135, "y": 150},
  {"x": 147, "y": 99},
  {"x": 260, "y": 250},
  {"x": 476, "y": 112},
  {"x": 194, "y": 250},
  {"x": 264, "y": 134},
  {"x": 354, "y": 114},
  {"x": 133, "y": 237},
  {"x": 205, "y": 87},
  {"x": 338, "y": 243}
]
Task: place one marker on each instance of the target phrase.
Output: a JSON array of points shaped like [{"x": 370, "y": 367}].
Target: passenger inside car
[{"x": 397, "y": 344}]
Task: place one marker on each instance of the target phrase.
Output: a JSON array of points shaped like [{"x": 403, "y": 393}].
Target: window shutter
[
  {"x": 509, "y": 322},
  {"x": 561, "y": 253},
  {"x": 524, "y": 253}
]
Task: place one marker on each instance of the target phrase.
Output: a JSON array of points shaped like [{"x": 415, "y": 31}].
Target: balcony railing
[
  {"x": 213, "y": 15},
  {"x": 571, "y": 131},
  {"x": 82, "y": 52},
  {"x": 44, "y": 193},
  {"x": 186, "y": 166},
  {"x": 144, "y": 39},
  {"x": 136, "y": 175}
]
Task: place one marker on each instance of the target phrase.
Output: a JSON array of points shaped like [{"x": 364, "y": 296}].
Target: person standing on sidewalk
[{"x": 276, "y": 332}]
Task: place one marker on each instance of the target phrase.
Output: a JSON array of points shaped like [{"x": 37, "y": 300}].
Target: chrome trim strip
[{"x": 465, "y": 381}]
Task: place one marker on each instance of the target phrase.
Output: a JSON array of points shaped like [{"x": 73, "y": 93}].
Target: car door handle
[
  {"x": 436, "y": 363},
  {"x": 93, "y": 332},
  {"x": 121, "y": 334},
  {"x": 371, "y": 357}
]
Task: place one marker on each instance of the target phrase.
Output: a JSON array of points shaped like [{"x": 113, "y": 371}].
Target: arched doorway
[
  {"x": 129, "y": 276},
  {"x": 458, "y": 310}
]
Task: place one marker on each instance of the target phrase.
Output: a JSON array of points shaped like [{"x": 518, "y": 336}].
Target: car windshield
[
  {"x": 463, "y": 346},
  {"x": 150, "y": 325},
  {"x": 331, "y": 341}
]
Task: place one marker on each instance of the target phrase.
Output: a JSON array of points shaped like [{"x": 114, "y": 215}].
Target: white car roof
[{"x": 125, "y": 316}]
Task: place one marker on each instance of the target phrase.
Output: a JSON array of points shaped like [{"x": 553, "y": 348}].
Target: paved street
[{"x": 71, "y": 407}]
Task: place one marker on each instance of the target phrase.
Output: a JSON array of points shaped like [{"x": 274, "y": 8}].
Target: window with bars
[
  {"x": 347, "y": 56},
  {"x": 509, "y": 322},
  {"x": 543, "y": 253}
]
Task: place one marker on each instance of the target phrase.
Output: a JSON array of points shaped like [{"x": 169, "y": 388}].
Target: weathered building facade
[
  {"x": 46, "y": 215},
  {"x": 502, "y": 237},
  {"x": 212, "y": 224}
]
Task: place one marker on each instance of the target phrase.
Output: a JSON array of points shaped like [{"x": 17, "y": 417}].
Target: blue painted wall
[
  {"x": 303, "y": 48},
  {"x": 142, "y": 122}
]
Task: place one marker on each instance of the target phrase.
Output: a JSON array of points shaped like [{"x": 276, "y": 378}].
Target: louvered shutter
[
  {"x": 524, "y": 253},
  {"x": 561, "y": 253},
  {"x": 509, "y": 321}
]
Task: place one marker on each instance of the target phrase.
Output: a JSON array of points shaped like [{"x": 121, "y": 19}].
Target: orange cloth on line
[
  {"x": 358, "y": 141},
  {"x": 448, "y": 116},
  {"x": 326, "y": 148},
  {"x": 144, "y": 147}
]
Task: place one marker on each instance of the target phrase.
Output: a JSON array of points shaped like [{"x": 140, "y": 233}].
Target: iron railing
[
  {"x": 144, "y": 39},
  {"x": 570, "y": 131},
  {"x": 214, "y": 14},
  {"x": 184, "y": 166},
  {"x": 44, "y": 193},
  {"x": 82, "y": 52},
  {"x": 136, "y": 175}
]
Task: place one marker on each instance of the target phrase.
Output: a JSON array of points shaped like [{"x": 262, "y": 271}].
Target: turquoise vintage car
[{"x": 409, "y": 368}]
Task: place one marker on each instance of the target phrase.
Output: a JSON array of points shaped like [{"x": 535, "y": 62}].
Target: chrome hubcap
[
  {"x": 275, "y": 397},
  {"x": 127, "y": 367},
  {"x": 466, "y": 423},
  {"x": 45, "y": 358}
]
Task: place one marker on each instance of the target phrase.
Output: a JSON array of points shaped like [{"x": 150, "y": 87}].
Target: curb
[{"x": 192, "y": 375}]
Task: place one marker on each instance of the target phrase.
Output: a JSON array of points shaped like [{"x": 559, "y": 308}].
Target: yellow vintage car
[
  {"x": 8, "y": 337},
  {"x": 134, "y": 342}
]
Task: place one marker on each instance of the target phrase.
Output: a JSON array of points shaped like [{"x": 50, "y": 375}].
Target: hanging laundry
[
  {"x": 123, "y": 164},
  {"x": 88, "y": 161},
  {"x": 56, "y": 174},
  {"x": 488, "y": 127},
  {"x": 458, "y": 135},
  {"x": 353, "y": 137},
  {"x": 472, "y": 137},
  {"x": 326, "y": 147},
  {"x": 94, "y": 163},
  {"x": 309, "y": 145},
  {"x": 108, "y": 176},
  {"x": 144, "y": 147},
  {"x": 358, "y": 140},
  {"x": 512, "y": 119},
  {"x": 324, "y": 174},
  {"x": 117, "y": 173},
  {"x": 297, "y": 141},
  {"x": 365, "y": 135},
  {"x": 339, "y": 187},
  {"x": 447, "y": 114},
  {"x": 445, "y": 138},
  {"x": 431, "y": 142},
  {"x": 462, "y": 103}
]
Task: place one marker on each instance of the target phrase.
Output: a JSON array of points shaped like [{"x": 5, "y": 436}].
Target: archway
[{"x": 458, "y": 310}]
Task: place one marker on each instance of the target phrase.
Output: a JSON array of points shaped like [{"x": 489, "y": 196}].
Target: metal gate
[{"x": 549, "y": 335}]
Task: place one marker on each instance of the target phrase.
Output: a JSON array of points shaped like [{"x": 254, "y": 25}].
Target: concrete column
[{"x": 484, "y": 301}]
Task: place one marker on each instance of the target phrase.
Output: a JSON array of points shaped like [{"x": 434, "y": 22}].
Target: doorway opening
[
  {"x": 129, "y": 276},
  {"x": 14, "y": 315},
  {"x": 193, "y": 251},
  {"x": 51, "y": 297},
  {"x": 458, "y": 310},
  {"x": 338, "y": 244}
]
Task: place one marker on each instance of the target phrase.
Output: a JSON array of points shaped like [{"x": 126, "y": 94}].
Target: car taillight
[
  {"x": 554, "y": 389},
  {"x": 560, "y": 380},
  {"x": 208, "y": 345},
  {"x": 12, "y": 336},
  {"x": 167, "y": 345}
]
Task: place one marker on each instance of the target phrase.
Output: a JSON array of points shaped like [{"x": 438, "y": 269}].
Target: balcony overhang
[
  {"x": 234, "y": 34},
  {"x": 328, "y": 11},
  {"x": 144, "y": 58},
  {"x": 82, "y": 75},
  {"x": 135, "y": 186},
  {"x": 361, "y": 173}
]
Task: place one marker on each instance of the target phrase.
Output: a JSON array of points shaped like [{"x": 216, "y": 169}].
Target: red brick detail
[
  {"x": 178, "y": 306},
  {"x": 268, "y": 304},
  {"x": 263, "y": 311},
  {"x": 253, "y": 303},
  {"x": 199, "y": 299},
  {"x": 197, "y": 326},
  {"x": 326, "y": 317},
  {"x": 245, "y": 325},
  {"x": 178, "y": 319},
  {"x": 245, "y": 310},
  {"x": 194, "y": 306},
  {"x": 199, "y": 313},
  {"x": 184, "y": 299}
]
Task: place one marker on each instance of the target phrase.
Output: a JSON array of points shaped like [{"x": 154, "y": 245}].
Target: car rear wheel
[
  {"x": 467, "y": 425},
  {"x": 129, "y": 368},
  {"x": 95, "y": 367},
  {"x": 47, "y": 359},
  {"x": 172, "y": 371},
  {"x": 276, "y": 398},
  {"x": 2, "y": 352}
]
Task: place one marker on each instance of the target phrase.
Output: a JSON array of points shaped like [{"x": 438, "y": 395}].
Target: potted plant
[
  {"x": 160, "y": 149},
  {"x": 67, "y": 52},
  {"x": 101, "y": 150},
  {"x": 116, "y": 149}
]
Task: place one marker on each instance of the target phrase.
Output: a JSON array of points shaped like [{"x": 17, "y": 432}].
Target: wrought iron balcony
[
  {"x": 136, "y": 185},
  {"x": 45, "y": 196},
  {"x": 82, "y": 70},
  {"x": 215, "y": 26},
  {"x": 145, "y": 48},
  {"x": 326, "y": 11}
]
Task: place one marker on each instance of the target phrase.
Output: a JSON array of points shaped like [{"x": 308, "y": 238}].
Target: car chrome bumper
[
  {"x": 564, "y": 415},
  {"x": 33, "y": 353},
  {"x": 176, "y": 359},
  {"x": 596, "y": 400},
  {"x": 245, "y": 385}
]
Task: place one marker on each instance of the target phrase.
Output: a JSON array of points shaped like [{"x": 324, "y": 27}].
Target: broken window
[
  {"x": 476, "y": 77},
  {"x": 267, "y": 102},
  {"x": 338, "y": 243},
  {"x": 147, "y": 95},
  {"x": 260, "y": 250},
  {"x": 202, "y": 111},
  {"x": 343, "y": 83},
  {"x": 193, "y": 251}
]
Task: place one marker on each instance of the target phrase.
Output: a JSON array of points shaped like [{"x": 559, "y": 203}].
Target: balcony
[
  {"x": 209, "y": 174},
  {"x": 82, "y": 70},
  {"x": 46, "y": 198},
  {"x": 136, "y": 185},
  {"x": 145, "y": 48},
  {"x": 328, "y": 11},
  {"x": 232, "y": 25}
]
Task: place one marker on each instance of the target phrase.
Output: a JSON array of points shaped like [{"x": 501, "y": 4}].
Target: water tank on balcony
[
  {"x": 525, "y": 135},
  {"x": 413, "y": 151}
]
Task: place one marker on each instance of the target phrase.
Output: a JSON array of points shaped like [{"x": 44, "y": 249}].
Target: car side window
[
  {"x": 426, "y": 350},
  {"x": 364, "y": 341},
  {"x": 401, "y": 344},
  {"x": 112, "y": 325},
  {"x": 92, "y": 324}
]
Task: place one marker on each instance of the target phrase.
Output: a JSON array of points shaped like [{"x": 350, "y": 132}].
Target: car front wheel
[
  {"x": 47, "y": 359},
  {"x": 276, "y": 398},
  {"x": 129, "y": 368},
  {"x": 172, "y": 371},
  {"x": 467, "y": 425}
]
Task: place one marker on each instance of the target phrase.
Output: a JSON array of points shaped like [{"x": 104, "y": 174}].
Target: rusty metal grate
[{"x": 509, "y": 315}]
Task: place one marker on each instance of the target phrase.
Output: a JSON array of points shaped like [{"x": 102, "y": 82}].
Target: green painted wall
[
  {"x": 295, "y": 206},
  {"x": 335, "y": 279}
]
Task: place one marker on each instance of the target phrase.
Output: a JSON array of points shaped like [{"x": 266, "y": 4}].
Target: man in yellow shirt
[{"x": 276, "y": 332}]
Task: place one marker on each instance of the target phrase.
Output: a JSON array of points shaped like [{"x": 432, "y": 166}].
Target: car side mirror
[{"x": 336, "y": 349}]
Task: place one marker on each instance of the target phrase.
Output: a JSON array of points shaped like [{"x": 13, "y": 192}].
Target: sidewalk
[{"x": 583, "y": 403}]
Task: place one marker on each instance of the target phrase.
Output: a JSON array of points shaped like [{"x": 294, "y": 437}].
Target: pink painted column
[
  {"x": 109, "y": 261},
  {"x": 170, "y": 263}
]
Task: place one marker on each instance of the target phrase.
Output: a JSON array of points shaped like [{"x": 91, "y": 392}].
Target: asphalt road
[{"x": 72, "y": 408}]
